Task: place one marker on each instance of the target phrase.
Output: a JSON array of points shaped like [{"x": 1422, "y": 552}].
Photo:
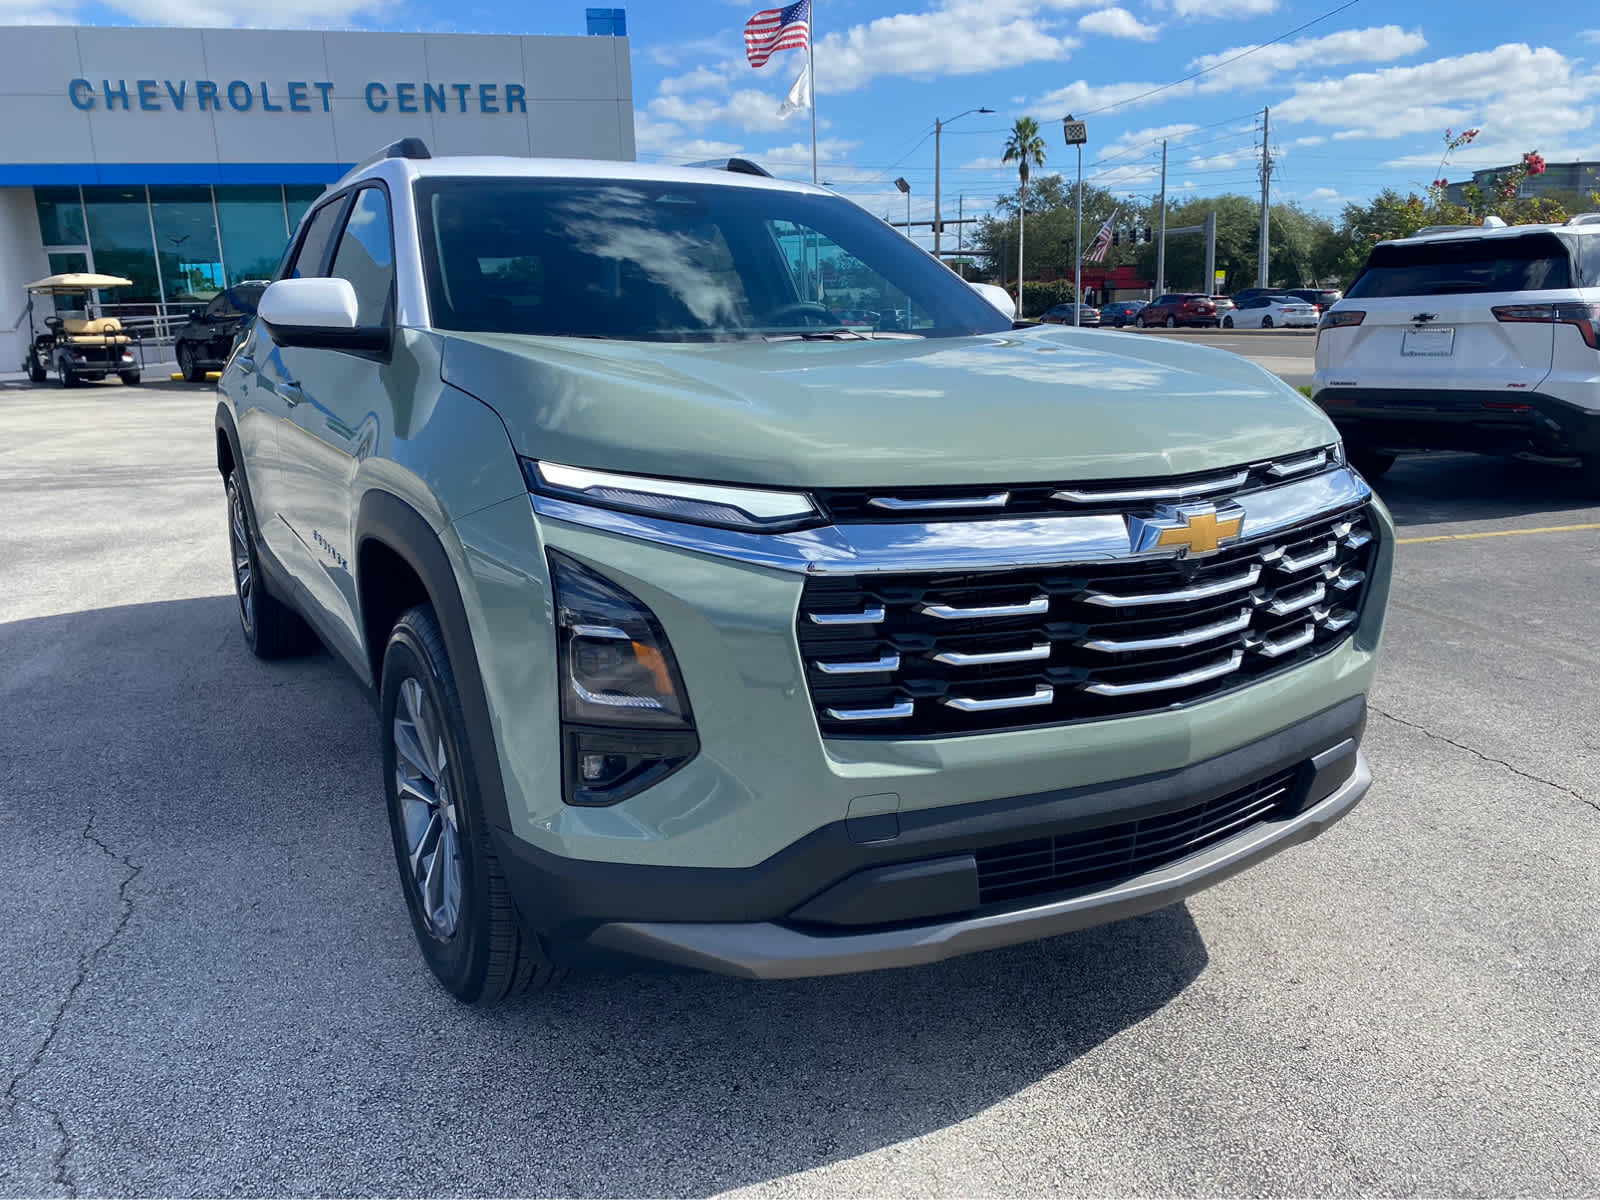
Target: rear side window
[
  {"x": 1536, "y": 262},
  {"x": 1588, "y": 260},
  {"x": 314, "y": 246}
]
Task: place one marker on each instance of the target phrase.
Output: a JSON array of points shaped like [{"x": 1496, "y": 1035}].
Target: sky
[{"x": 1360, "y": 92}]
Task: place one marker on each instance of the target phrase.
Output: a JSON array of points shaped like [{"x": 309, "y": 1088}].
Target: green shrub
[{"x": 1039, "y": 297}]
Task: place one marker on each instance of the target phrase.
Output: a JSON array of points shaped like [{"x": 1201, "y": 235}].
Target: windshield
[
  {"x": 1535, "y": 262},
  {"x": 678, "y": 262}
]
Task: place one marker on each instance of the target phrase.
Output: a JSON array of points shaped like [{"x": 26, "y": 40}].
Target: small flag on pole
[
  {"x": 799, "y": 95},
  {"x": 1102, "y": 242},
  {"x": 775, "y": 29}
]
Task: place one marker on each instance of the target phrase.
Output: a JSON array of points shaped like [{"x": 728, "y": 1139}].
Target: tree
[{"x": 1025, "y": 148}]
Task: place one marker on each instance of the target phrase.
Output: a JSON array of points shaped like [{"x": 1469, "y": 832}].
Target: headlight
[
  {"x": 755, "y": 509},
  {"x": 626, "y": 722}
]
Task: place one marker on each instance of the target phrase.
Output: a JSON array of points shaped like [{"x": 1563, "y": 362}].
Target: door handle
[
  {"x": 247, "y": 361},
  {"x": 291, "y": 393}
]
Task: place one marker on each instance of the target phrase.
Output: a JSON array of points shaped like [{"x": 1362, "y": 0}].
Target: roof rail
[
  {"x": 1427, "y": 229},
  {"x": 740, "y": 166},
  {"x": 1589, "y": 218},
  {"x": 407, "y": 147}
]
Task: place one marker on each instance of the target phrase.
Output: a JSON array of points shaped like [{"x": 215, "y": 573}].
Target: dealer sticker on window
[{"x": 1428, "y": 343}]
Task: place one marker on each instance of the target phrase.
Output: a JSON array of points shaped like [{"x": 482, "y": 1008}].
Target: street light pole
[
  {"x": 1076, "y": 134},
  {"x": 938, "y": 130}
]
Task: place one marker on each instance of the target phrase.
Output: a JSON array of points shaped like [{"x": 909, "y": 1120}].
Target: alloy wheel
[
  {"x": 244, "y": 581},
  {"x": 427, "y": 809},
  {"x": 185, "y": 361}
]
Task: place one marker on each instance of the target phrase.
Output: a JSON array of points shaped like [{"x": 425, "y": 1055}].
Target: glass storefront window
[
  {"x": 299, "y": 199},
  {"x": 186, "y": 240},
  {"x": 253, "y": 231},
  {"x": 65, "y": 264},
  {"x": 118, "y": 221},
  {"x": 60, "y": 216}
]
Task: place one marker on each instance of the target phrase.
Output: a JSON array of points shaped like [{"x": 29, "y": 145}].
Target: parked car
[
  {"x": 1179, "y": 308},
  {"x": 1478, "y": 339},
  {"x": 1323, "y": 298},
  {"x": 204, "y": 342},
  {"x": 705, "y": 630},
  {"x": 1225, "y": 305},
  {"x": 1061, "y": 314},
  {"x": 1121, "y": 312},
  {"x": 1272, "y": 312}
]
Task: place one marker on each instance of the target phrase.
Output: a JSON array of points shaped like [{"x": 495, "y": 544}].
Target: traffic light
[
  {"x": 1116, "y": 237},
  {"x": 1147, "y": 233}
]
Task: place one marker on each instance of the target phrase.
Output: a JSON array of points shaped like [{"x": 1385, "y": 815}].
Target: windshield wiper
[{"x": 843, "y": 334}]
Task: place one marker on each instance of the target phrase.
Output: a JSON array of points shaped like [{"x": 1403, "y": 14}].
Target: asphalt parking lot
[{"x": 208, "y": 984}]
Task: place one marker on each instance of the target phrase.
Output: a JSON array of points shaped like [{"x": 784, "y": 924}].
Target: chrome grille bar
[
  {"x": 1188, "y": 679},
  {"x": 1314, "y": 559},
  {"x": 893, "y": 712},
  {"x": 1042, "y": 694},
  {"x": 955, "y": 658},
  {"x": 870, "y": 615},
  {"x": 983, "y": 612},
  {"x": 888, "y": 662},
  {"x": 1298, "y": 466},
  {"x": 1202, "y": 591},
  {"x": 1284, "y": 606},
  {"x": 1219, "y": 483},
  {"x": 1277, "y": 649},
  {"x": 932, "y": 504},
  {"x": 1191, "y": 638}
]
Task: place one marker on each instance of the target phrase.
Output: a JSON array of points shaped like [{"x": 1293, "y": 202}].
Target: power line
[{"x": 1218, "y": 66}]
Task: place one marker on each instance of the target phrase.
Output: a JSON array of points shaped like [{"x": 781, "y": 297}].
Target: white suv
[{"x": 1469, "y": 338}]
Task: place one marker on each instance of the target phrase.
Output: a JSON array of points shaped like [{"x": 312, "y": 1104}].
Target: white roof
[
  {"x": 1497, "y": 231},
  {"x": 508, "y": 167}
]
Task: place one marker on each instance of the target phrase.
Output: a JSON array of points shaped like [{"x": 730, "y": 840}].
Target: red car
[{"x": 1179, "y": 308}]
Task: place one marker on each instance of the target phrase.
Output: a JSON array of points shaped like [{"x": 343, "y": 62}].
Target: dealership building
[{"x": 181, "y": 159}]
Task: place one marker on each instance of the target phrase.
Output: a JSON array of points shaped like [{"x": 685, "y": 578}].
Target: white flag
[{"x": 799, "y": 95}]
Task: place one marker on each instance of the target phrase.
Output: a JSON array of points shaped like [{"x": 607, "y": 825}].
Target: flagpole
[{"x": 811, "y": 70}]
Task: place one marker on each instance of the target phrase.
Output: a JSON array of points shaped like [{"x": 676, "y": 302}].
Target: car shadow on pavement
[
  {"x": 257, "y": 1019},
  {"x": 1432, "y": 489}
]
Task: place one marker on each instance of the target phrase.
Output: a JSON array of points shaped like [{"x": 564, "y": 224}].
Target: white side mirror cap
[
  {"x": 998, "y": 297},
  {"x": 309, "y": 304}
]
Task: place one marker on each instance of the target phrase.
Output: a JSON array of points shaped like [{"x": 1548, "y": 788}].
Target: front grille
[
  {"x": 950, "y": 653},
  {"x": 848, "y": 506},
  {"x": 1106, "y": 855}
]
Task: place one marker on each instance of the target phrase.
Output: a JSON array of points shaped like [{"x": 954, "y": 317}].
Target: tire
[
  {"x": 1266, "y": 322},
  {"x": 187, "y": 367},
  {"x": 129, "y": 378},
  {"x": 461, "y": 910},
  {"x": 36, "y": 373},
  {"x": 64, "y": 376},
  {"x": 1172, "y": 322},
  {"x": 1227, "y": 322},
  {"x": 1372, "y": 464},
  {"x": 271, "y": 628}
]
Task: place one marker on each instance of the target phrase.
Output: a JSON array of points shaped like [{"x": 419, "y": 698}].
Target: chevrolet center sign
[{"x": 238, "y": 95}]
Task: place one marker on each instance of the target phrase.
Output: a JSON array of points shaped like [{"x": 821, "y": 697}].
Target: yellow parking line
[{"x": 1467, "y": 537}]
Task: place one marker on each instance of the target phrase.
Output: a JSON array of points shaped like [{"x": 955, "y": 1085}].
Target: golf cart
[{"x": 73, "y": 344}]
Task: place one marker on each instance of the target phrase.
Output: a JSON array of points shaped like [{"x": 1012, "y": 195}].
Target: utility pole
[
  {"x": 1266, "y": 202},
  {"x": 1211, "y": 252},
  {"x": 1161, "y": 245},
  {"x": 938, "y": 128},
  {"x": 961, "y": 225}
]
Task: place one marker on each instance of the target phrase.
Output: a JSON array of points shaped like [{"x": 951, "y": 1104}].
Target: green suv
[{"x": 739, "y": 590}]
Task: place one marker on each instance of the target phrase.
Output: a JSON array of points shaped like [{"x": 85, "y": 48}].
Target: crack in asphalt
[
  {"x": 1499, "y": 762},
  {"x": 59, "y": 1172}
]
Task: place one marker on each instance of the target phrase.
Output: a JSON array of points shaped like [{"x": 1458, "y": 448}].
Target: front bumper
[
  {"x": 1458, "y": 419},
  {"x": 876, "y": 892}
]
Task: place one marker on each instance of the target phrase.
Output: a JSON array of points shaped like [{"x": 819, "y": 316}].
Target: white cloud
[
  {"x": 701, "y": 79},
  {"x": 1229, "y": 9},
  {"x": 1383, "y": 43},
  {"x": 956, "y": 37},
  {"x": 1322, "y": 197},
  {"x": 290, "y": 14},
  {"x": 1082, "y": 96},
  {"x": 1514, "y": 92},
  {"x": 990, "y": 162},
  {"x": 751, "y": 110},
  {"x": 1589, "y": 37},
  {"x": 1118, "y": 23},
  {"x": 663, "y": 140},
  {"x": 1311, "y": 139}
]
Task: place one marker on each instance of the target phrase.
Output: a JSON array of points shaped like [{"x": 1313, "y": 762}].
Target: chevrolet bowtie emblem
[{"x": 1190, "y": 529}]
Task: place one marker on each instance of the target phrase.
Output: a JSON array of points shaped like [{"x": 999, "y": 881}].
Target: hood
[{"x": 1037, "y": 405}]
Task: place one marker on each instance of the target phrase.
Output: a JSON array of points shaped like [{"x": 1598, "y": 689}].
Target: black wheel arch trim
[{"x": 390, "y": 521}]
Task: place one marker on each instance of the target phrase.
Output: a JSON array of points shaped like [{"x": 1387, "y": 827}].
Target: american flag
[
  {"x": 1102, "y": 242},
  {"x": 774, "y": 29}
]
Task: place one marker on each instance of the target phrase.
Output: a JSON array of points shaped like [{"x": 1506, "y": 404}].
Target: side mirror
[
  {"x": 317, "y": 313},
  {"x": 998, "y": 297}
]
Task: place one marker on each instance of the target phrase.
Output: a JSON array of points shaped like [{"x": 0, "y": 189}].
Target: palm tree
[{"x": 1025, "y": 148}]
